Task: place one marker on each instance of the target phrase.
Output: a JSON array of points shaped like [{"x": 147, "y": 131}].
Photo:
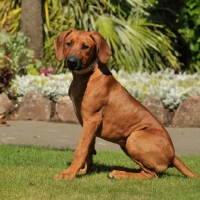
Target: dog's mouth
[{"x": 73, "y": 63}]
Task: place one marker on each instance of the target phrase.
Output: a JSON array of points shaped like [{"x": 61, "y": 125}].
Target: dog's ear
[
  {"x": 103, "y": 50},
  {"x": 58, "y": 44}
]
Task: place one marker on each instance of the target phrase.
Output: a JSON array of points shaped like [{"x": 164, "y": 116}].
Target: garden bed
[
  {"x": 170, "y": 87},
  {"x": 163, "y": 93}
]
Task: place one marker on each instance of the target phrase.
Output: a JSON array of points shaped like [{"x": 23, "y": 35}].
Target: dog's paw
[
  {"x": 63, "y": 176},
  {"x": 87, "y": 168},
  {"x": 112, "y": 175},
  {"x": 82, "y": 171}
]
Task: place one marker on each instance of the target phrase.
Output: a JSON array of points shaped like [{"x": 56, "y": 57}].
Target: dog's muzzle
[{"x": 72, "y": 63}]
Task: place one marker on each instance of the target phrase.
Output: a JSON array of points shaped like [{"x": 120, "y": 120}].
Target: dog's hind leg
[
  {"x": 152, "y": 151},
  {"x": 137, "y": 175}
]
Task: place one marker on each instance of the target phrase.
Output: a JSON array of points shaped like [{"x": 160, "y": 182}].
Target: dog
[{"x": 105, "y": 109}]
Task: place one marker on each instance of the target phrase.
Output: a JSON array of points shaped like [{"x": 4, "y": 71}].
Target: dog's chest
[{"x": 74, "y": 104}]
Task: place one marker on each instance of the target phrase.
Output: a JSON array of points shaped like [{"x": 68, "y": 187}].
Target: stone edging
[{"x": 35, "y": 106}]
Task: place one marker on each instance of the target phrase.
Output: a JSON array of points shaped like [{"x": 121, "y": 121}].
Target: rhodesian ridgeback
[{"x": 106, "y": 110}]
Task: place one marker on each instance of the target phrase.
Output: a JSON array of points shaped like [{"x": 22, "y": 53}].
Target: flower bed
[{"x": 171, "y": 88}]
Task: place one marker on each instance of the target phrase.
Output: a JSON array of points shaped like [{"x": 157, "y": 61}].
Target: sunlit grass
[{"x": 27, "y": 173}]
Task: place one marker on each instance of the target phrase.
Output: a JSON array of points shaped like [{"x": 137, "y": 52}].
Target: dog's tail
[{"x": 183, "y": 168}]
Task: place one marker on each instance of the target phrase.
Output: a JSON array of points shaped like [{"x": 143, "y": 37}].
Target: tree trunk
[{"x": 32, "y": 24}]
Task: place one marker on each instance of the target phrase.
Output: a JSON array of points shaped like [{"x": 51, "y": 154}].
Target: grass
[{"x": 26, "y": 173}]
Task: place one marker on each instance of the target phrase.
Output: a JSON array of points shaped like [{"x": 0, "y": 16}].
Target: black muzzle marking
[{"x": 72, "y": 62}]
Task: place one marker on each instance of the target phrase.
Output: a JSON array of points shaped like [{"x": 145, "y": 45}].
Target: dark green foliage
[
  {"x": 189, "y": 22},
  {"x": 136, "y": 42},
  {"x": 183, "y": 19},
  {"x": 15, "y": 55},
  {"x": 6, "y": 74},
  {"x": 143, "y": 35}
]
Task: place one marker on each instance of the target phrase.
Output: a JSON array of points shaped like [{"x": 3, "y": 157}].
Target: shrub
[
  {"x": 6, "y": 74},
  {"x": 16, "y": 55},
  {"x": 137, "y": 42},
  {"x": 51, "y": 86},
  {"x": 182, "y": 18},
  {"x": 10, "y": 14},
  {"x": 171, "y": 88},
  {"x": 190, "y": 31}
]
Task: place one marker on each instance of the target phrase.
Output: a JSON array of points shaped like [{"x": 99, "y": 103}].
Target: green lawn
[{"x": 26, "y": 173}]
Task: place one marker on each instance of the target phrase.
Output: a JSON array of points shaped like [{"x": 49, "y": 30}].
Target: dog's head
[{"x": 81, "y": 48}]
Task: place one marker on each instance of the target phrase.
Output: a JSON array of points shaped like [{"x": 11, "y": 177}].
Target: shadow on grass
[{"x": 99, "y": 168}]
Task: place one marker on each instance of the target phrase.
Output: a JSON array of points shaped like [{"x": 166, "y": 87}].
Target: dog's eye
[
  {"x": 68, "y": 44},
  {"x": 85, "y": 47}
]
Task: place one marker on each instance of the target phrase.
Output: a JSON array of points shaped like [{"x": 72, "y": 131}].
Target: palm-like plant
[
  {"x": 10, "y": 12},
  {"x": 137, "y": 43}
]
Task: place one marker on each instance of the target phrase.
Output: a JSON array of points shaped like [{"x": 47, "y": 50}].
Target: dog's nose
[{"x": 72, "y": 62}]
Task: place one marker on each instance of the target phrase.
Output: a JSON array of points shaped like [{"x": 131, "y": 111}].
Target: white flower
[{"x": 170, "y": 87}]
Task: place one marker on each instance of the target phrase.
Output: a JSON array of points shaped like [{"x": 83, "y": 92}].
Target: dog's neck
[{"x": 87, "y": 69}]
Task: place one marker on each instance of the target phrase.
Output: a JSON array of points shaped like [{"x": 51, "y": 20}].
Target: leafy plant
[
  {"x": 170, "y": 87},
  {"x": 143, "y": 34},
  {"x": 190, "y": 30},
  {"x": 6, "y": 74},
  {"x": 16, "y": 55},
  {"x": 51, "y": 86},
  {"x": 182, "y": 18},
  {"x": 137, "y": 44},
  {"x": 10, "y": 13}
]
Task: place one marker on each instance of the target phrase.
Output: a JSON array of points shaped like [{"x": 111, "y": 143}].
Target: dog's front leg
[
  {"x": 82, "y": 150},
  {"x": 87, "y": 167}
]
